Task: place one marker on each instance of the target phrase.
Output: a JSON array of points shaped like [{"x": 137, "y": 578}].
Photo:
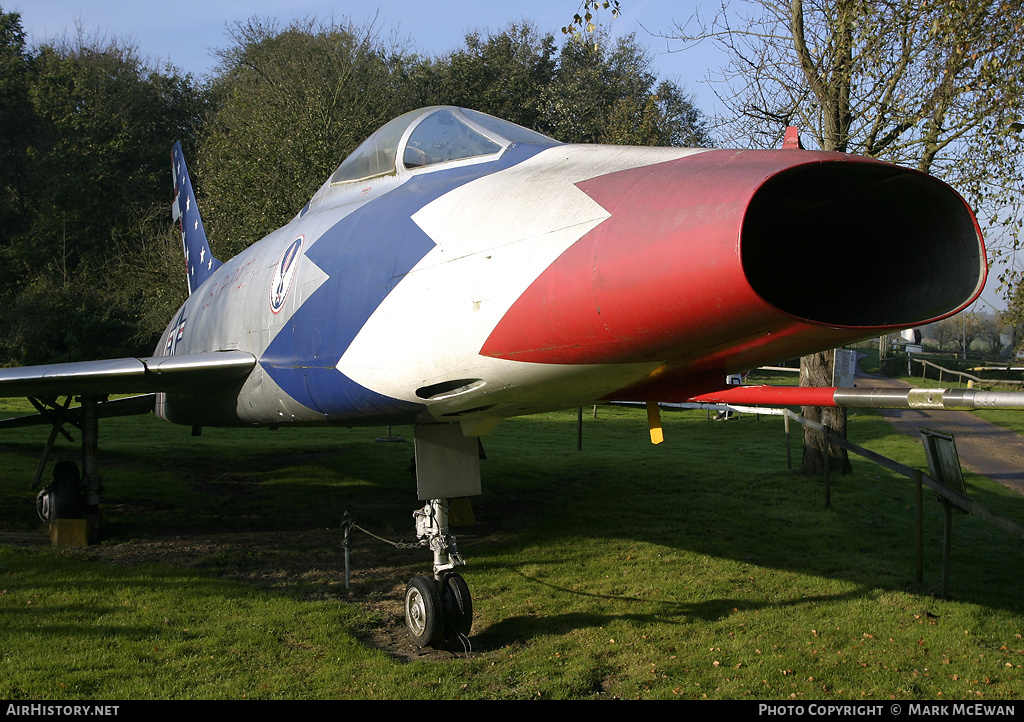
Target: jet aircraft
[{"x": 457, "y": 269}]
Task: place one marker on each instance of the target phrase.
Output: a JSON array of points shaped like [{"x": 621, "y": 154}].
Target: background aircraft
[{"x": 457, "y": 270}]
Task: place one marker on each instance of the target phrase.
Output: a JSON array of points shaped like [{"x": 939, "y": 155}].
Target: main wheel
[
  {"x": 457, "y": 604},
  {"x": 423, "y": 615},
  {"x": 66, "y": 500}
]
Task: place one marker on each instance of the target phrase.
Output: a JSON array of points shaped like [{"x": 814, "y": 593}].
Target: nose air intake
[
  {"x": 729, "y": 259},
  {"x": 895, "y": 247}
]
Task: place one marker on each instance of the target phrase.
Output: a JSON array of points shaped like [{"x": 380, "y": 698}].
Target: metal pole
[
  {"x": 90, "y": 437},
  {"x": 789, "y": 451},
  {"x": 947, "y": 535},
  {"x": 919, "y": 519},
  {"x": 346, "y": 525},
  {"x": 828, "y": 474},
  {"x": 90, "y": 471}
]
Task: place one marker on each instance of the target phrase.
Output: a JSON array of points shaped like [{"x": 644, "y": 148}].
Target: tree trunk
[{"x": 816, "y": 370}]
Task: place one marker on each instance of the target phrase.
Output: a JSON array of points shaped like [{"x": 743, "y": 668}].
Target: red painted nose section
[{"x": 708, "y": 257}]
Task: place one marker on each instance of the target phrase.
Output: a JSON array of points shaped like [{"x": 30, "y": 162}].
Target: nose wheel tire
[
  {"x": 457, "y": 604},
  {"x": 423, "y": 613}
]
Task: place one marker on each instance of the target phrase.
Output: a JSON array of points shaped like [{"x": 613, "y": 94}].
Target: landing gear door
[{"x": 447, "y": 462}]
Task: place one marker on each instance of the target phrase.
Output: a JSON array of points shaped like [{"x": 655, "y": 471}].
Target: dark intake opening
[{"x": 859, "y": 244}]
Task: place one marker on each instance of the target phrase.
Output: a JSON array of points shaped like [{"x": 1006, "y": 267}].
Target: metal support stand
[
  {"x": 90, "y": 471},
  {"x": 90, "y": 441}
]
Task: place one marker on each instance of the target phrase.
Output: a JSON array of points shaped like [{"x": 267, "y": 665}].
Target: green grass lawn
[
  {"x": 1011, "y": 420},
  {"x": 700, "y": 568}
]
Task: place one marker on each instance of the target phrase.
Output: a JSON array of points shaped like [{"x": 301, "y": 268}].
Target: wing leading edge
[{"x": 181, "y": 373}]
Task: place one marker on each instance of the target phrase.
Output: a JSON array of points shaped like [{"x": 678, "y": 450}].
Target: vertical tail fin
[{"x": 199, "y": 261}]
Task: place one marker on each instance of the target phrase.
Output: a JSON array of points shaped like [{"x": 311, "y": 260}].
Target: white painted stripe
[{"x": 494, "y": 237}]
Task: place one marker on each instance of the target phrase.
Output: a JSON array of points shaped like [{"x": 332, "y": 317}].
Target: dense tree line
[
  {"x": 84, "y": 131},
  {"x": 93, "y": 266}
]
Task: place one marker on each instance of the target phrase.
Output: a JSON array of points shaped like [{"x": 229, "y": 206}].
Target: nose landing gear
[{"x": 438, "y": 608}]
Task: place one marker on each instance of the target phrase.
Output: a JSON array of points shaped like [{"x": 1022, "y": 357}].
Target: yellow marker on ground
[{"x": 654, "y": 422}]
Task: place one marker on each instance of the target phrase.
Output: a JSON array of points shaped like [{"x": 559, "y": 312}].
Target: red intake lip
[{"x": 721, "y": 258}]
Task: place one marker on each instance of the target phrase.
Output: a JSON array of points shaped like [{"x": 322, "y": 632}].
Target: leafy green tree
[
  {"x": 501, "y": 74},
  {"x": 1014, "y": 315},
  {"x": 945, "y": 332},
  {"x": 17, "y": 134},
  {"x": 589, "y": 91},
  {"x": 609, "y": 94},
  {"x": 147, "y": 276},
  {"x": 105, "y": 123},
  {"x": 16, "y": 126},
  {"x": 290, "y": 104},
  {"x": 99, "y": 122}
]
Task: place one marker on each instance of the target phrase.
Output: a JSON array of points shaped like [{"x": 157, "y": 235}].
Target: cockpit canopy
[{"x": 430, "y": 136}]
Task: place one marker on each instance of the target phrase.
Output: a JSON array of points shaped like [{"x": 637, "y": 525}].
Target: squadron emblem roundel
[{"x": 284, "y": 275}]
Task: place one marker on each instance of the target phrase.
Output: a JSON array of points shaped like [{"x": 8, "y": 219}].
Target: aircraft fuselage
[{"x": 549, "y": 277}]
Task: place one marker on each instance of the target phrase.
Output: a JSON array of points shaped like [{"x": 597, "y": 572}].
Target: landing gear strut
[{"x": 439, "y": 607}]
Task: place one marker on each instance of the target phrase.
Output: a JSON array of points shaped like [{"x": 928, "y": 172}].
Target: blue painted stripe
[{"x": 365, "y": 255}]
